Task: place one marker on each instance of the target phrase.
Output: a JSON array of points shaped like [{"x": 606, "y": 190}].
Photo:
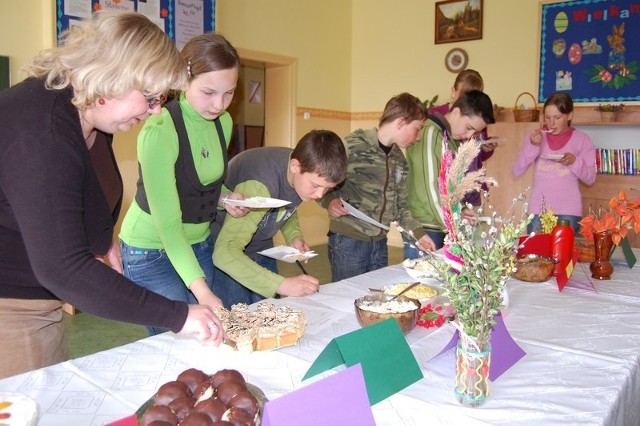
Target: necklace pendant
[{"x": 205, "y": 153}]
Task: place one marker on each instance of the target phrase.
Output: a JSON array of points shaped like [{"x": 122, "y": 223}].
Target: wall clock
[{"x": 456, "y": 60}]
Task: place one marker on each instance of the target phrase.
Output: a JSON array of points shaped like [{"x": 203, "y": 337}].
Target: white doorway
[{"x": 279, "y": 96}]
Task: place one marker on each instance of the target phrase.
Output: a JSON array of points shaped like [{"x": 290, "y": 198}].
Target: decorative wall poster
[
  {"x": 180, "y": 19},
  {"x": 590, "y": 49}
]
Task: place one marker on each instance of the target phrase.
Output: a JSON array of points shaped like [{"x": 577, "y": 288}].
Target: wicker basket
[
  {"x": 608, "y": 116},
  {"x": 525, "y": 115}
]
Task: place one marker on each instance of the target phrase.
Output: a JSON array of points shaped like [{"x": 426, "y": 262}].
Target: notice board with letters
[
  {"x": 180, "y": 19},
  {"x": 591, "y": 50}
]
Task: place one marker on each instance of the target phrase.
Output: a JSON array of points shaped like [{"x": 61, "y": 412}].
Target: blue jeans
[
  {"x": 412, "y": 252},
  {"x": 152, "y": 269},
  {"x": 350, "y": 257},
  {"x": 231, "y": 291},
  {"x": 535, "y": 224}
]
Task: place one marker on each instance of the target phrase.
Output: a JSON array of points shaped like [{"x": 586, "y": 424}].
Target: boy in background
[
  {"x": 468, "y": 116},
  {"x": 375, "y": 185}
]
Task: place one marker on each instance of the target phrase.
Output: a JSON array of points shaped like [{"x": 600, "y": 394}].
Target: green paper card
[
  {"x": 629, "y": 257},
  {"x": 387, "y": 361},
  {"x": 628, "y": 252}
]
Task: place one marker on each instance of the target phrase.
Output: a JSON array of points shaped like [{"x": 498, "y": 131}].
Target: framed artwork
[
  {"x": 589, "y": 49},
  {"x": 458, "y": 20}
]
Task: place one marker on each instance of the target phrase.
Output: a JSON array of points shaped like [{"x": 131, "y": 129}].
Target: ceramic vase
[
  {"x": 473, "y": 363},
  {"x": 601, "y": 268}
]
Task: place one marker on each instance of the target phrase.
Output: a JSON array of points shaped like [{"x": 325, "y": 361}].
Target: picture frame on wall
[{"x": 458, "y": 20}]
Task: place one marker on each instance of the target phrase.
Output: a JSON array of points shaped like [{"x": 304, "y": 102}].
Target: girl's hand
[{"x": 536, "y": 137}]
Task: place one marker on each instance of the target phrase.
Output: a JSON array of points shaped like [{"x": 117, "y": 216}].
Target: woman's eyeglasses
[{"x": 154, "y": 101}]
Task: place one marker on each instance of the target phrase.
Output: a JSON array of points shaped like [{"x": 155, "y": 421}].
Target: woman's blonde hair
[{"x": 110, "y": 55}]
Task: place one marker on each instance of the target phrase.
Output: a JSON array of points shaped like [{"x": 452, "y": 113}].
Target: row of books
[{"x": 613, "y": 161}]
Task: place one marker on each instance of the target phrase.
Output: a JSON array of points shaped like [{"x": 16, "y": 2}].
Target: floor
[{"x": 87, "y": 334}]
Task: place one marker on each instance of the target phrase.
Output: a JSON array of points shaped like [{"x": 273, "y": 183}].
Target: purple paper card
[
  {"x": 338, "y": 399},
  {"x": 582, "y": 281},
  {"x": 505, "y": 352}
]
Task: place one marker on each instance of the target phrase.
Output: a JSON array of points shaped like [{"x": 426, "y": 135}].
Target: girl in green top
[{"x": 182, "y": 155}]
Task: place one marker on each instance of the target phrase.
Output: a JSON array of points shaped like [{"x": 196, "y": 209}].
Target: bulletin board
[
  {"x": 180, "y": 19},
  {"x": 591, "y": 50}
]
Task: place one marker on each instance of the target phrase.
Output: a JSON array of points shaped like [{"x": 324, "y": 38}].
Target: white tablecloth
[{"x": 582, "y": 363}]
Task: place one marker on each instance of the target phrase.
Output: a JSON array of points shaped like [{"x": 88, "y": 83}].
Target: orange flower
[{"x": 623, "y": 215}]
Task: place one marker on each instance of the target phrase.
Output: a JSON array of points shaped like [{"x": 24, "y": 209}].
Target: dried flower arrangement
[{"x": 475, "y": 271}]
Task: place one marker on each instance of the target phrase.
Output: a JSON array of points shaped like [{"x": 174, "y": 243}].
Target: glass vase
[
  {"x": 601, "y": 268},
  {"x": 472, "y": 372}
]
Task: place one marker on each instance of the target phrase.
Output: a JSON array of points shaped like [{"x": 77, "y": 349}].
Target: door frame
[{"x": 279, "y": 96}]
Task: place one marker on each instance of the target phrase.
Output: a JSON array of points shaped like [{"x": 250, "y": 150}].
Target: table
[{"x": 582, "y": 364}]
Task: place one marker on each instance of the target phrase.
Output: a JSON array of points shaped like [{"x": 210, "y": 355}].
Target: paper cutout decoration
[
  {"x": 340, "y": 399},
  {"x": 581, "y": 278},
  {"x": 131, "y": 420},
  {"x": 387, "y": 361},
  {"x": 539, "y": 244},
  {"x": 505, "y": 352},
  {"x": 567, "y": 270}
]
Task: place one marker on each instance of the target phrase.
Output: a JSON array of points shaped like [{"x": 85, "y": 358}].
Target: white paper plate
[
  {"x": 258, "y": 202},
  {"x": 287, "y": 254},
  {"x": 552, "y": 156},
  {"x": 422, "y": 276}
]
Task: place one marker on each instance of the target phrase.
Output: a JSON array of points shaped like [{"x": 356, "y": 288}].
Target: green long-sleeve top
[
  {"x": 157, "y": 152},
  {"x": 424, "y": 158},
  {"x": 258, "y": 172}
]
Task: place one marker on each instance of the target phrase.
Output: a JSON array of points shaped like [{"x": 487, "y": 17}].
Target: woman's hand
[
  {"x": 235, "y": 211},
  {"x": 113, "y": 257},
  {"x": 204, "y": 325}
]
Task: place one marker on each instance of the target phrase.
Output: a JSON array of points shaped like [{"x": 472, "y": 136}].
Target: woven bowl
[
  {"x": 534, "y": 268},
  {"x": 406, "y": 320}
]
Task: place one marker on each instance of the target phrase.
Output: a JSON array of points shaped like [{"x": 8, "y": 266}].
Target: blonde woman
[{"x": 60, "y": 189}]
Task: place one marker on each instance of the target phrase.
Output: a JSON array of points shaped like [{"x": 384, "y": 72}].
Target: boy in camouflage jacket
[{"x": 375, "y": 185}]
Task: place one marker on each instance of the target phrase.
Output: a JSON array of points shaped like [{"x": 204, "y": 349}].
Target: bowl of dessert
[
  {"x": 421, "y": 292},
  {"x": 534, "y": 268},
  {"x": 376, "y": 307}
]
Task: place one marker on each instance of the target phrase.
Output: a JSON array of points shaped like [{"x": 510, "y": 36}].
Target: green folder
[{"x": 387, "y": 361}]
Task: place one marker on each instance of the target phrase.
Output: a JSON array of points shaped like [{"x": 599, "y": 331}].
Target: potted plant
[{"x": 609, "y": 112}]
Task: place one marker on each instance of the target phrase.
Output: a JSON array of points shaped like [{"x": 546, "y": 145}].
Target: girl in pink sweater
[{"x": 562, "y": 156}]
